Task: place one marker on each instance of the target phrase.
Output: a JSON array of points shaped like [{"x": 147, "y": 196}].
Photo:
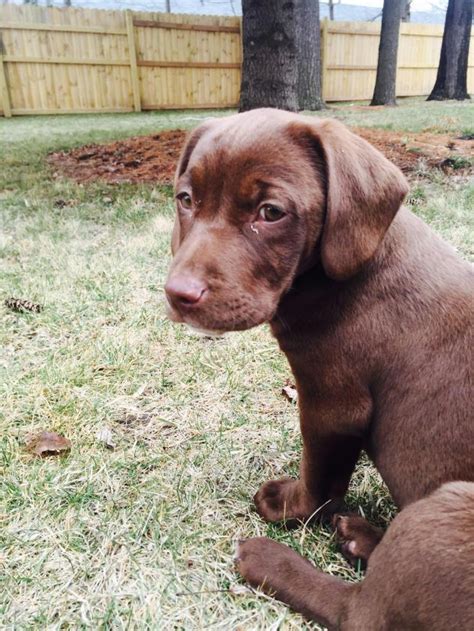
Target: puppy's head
[{"x": 263, "y": 196}]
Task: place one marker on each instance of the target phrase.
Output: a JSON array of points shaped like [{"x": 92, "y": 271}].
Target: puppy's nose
[{"x": 184, "y": 291}]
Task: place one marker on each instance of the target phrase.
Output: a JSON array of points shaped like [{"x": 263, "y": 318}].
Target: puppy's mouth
[
  {"x": 207, "y": 325},
  {"x": 194, "y": 327}
]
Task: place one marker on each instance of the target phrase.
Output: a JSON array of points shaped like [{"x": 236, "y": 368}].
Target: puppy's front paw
[
  {"x": 257, "y": 560},
  {"x": 284, "y": 500},
  {"x": 357, "y": 537}
]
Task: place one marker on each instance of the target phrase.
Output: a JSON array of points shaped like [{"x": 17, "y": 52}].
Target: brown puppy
[{"x": 297, "y": 222}]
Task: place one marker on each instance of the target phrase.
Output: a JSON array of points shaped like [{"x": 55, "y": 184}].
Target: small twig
[
  {"x": 375, "y": 17},
  {"x": 320, "y": 508},
  {"x": 204, "y": 591},
  {"x": 310, "y": 518}
]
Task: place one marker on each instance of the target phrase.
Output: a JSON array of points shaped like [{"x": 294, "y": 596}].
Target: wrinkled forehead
[{"x": 244, "y": 156}]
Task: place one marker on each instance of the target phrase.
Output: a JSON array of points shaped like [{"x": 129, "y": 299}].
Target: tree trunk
[
  {"x": 269, "y": 68},
  {"x": 308, "y": 36},
  {"x": 331, "y": 9},
  {"x": 406, "y": 13},
  {"x": 385, "y": 83},
  {"x": 451, "y": 80}
]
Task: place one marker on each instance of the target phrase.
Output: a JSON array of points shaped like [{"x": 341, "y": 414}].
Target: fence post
[
  {"x": 324, "y": 64},
  {"x": 4, "y": 94},
  {"x": 137, "y": 105}
]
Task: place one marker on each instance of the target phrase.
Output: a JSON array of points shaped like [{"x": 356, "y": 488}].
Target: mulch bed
[
  {"x": 141, "y": 159},
  {"x": 153, "y": 158}
]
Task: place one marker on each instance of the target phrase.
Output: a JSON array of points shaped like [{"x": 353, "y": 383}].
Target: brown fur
[
  {"x": 372, "y": 309},
  {"x": 419, "y": 578}
]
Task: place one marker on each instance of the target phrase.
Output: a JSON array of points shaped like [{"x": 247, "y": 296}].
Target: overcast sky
[{"x": 416, "y": 5}]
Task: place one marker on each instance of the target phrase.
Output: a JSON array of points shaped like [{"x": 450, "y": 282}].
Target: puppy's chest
[
  {"x": 321, "y": 330},
  {"x": 322, "y": 359}
]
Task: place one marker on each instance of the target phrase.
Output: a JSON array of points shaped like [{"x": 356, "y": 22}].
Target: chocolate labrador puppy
[{"x": 298, "y": 222}]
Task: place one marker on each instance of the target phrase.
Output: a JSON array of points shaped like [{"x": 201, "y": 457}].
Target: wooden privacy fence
[
  {"x": 81, "y": 60},
  {"x": 349, "y": 59}
]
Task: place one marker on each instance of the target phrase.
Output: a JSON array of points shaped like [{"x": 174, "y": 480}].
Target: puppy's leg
[
  {"x": 333, "y": 426},
  {"x": 357, "y": 537},
  {"x": 281, "y": 572},
  {"x": 326, "y": 467}
]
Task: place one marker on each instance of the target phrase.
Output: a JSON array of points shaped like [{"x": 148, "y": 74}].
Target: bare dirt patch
[
  {"x": 407, "y": 150},
  {"x": 153, "y": 158},
  {"x": 139, "y": 159}
]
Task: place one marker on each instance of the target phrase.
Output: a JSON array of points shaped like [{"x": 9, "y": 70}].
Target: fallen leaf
[
  {"x": 289, "y": 392},
  {"x": 104, "y": 435},
  {"x": 48, "y": 444}
]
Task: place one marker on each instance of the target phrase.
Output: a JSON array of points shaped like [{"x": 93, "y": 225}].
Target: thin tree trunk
[
  {"x": 269, "y": 68},
  {"x": 385, "y": 83},
  {"x": 308, "y": 35},
  {"x": 451, "y": 79},
  {"x": 406, "y": 12}
]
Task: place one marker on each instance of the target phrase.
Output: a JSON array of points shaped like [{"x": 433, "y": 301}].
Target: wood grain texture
[
  {"x": 57, "y": 60},
  {"x": 133, "y": 63},
  {"x": 4, "y": 91}
]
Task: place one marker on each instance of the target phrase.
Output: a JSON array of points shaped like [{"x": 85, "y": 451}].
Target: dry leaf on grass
[
  {"x": 104, "y": 436},
  {"x": 48, "y": 444},
  {"x": 289, "y": 392}
]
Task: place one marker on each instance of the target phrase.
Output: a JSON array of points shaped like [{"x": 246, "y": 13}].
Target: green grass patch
[{"x": 411, "y": 115}]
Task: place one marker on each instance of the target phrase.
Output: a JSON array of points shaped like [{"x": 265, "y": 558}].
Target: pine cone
[{"x": 20, "y": 306}]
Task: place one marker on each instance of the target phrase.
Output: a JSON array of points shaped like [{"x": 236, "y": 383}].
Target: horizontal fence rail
[{"x": 68, "y": 60}]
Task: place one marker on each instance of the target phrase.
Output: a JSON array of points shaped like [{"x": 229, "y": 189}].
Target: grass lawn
[{"x": 142, "y": 536}]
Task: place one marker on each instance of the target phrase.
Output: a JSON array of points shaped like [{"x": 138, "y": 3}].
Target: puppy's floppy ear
[
  {"x": 364, "y": 192},
  {"x": 191, "y": 142}
]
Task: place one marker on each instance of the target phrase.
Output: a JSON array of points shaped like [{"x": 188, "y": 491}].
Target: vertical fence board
[
  {"x": 133, "y": 63},
  {"x": 4, "y": 91},
  {"x": 324, "y": 59}
]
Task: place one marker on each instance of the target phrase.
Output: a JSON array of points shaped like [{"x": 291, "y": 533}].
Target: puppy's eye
[
  {"x": 185, "y": 201},
  {"x": 270, "y": 213}
]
